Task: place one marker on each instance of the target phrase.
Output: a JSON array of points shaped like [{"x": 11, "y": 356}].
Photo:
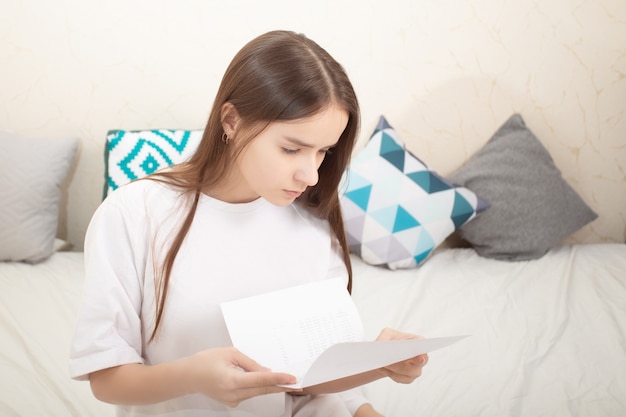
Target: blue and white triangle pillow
[
  {"x": 397, "y": 211},
  {"x": 133, "y": 154}
]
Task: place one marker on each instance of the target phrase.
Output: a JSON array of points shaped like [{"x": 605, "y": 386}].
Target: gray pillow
[
  {"x": 532, "y": 208},
  {"x": 30, "y": 178}
]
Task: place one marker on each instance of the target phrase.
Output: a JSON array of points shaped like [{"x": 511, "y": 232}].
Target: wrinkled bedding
[
  {"x": 547, "y": 337},
  {"x": 38, "y": 304}
]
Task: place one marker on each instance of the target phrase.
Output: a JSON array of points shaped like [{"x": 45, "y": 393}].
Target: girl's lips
[{"x": 293, "y": 194}]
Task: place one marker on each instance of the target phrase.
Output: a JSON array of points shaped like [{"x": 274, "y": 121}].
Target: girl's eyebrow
[
  {"x": 302, "y": 144},
  {"x": 298, "y": 142}
]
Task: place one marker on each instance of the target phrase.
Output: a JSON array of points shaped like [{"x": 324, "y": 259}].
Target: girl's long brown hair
[{"x": 278, "y": 76}]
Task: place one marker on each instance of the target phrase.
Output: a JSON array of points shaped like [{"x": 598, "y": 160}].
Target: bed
[
  {"x": 547, "y": 337},
  {"x": 546, "y": 320},
  {"x": 38, "y": 304}
]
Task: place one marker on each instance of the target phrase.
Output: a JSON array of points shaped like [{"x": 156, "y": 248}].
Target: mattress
[
  {"x": 546, "y": 337},
  {"x": 38, "y": 306}
]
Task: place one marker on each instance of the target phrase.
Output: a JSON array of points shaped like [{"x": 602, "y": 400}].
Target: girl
[{"x": 255, "y": 209}]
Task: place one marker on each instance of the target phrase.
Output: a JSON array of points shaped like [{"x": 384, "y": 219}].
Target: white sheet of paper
[
  {"x": 345, "y": 359},
  {"x": 290, "y": 328},
  {"x": 313, "y": 332}
]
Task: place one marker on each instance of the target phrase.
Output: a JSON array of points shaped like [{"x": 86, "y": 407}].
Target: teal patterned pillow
[
  {"x": 133, "y": 154},
  {"x": 396, "y": 210}
]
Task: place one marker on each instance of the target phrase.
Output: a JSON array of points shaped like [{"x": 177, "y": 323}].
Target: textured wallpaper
[{"x": 445, "y": 74}]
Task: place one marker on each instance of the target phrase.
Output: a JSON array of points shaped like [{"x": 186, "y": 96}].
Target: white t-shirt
[{"x": 231, "y": 251}]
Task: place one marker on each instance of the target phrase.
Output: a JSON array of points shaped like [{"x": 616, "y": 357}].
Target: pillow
[
  {"x": 396, "y": 210},
  {"x": 532, "y": 207},
  {"x": 133, "y": 154},
  {"x": 31, "y": 175}
]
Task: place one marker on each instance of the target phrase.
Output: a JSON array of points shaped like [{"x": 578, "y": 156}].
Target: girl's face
[{"x": 282, "y": 161}]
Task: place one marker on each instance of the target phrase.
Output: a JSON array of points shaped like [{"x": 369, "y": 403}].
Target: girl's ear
[{"x": 230, "y": 119}]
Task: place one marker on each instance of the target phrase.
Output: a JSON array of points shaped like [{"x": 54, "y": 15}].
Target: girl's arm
[{"x": 225, "y": 374}]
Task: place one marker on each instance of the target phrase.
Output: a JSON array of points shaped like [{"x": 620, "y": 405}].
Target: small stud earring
[{"x": 225, "y": 138}]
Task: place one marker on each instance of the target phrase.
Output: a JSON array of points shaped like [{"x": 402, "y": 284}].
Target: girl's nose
[{"x": 307, "y": 172}]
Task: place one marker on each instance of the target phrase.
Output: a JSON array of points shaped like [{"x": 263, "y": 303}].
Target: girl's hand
[
  {"x": 229, "y": 376},
  {"x": 406, "y": 371}
]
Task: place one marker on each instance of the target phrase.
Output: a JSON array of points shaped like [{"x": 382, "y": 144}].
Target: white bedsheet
[
  {"x": 37, "y": 309},
  {"x": 548, "y": 337}
]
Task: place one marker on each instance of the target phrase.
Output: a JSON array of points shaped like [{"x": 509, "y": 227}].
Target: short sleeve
[{"x": 108, "y": 331}]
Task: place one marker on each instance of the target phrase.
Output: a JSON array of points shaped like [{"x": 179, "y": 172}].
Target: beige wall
[{"x": 445, "y": 73}]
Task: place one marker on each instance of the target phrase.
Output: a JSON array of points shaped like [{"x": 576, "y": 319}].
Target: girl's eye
[{"x": 290, "y": 151}]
